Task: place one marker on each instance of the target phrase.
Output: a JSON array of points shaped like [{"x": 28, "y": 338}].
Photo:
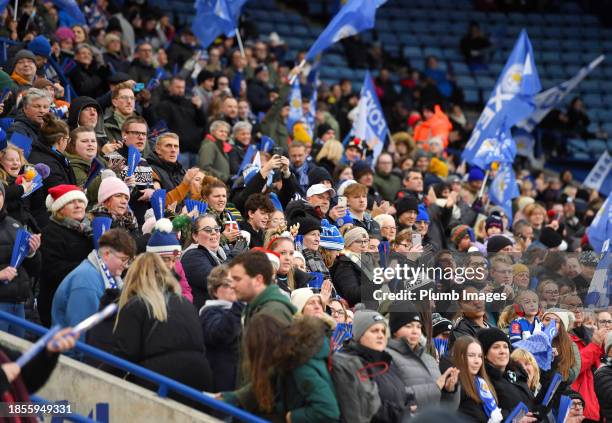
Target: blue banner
[
  {"x": 99, "y": 225},
  {"x": 504, "y": 188},
  {"x": 158, "y": 203},
  {"x": 370, "y": 125},
  {"x": 215, "y": 17},
  {"x": 354, "y": 17},
  {"x": 600, "y": 230},
  {"x": 501, "y": 148},
  {"x": 132, "y": 160},
  {"x": 600, "y": 289},
  {"x": 600, "y": 177},
  {"x": 21, "y": 247},
  {"x": 512, "y": 99},
  {"x": 295, "y": 106}
]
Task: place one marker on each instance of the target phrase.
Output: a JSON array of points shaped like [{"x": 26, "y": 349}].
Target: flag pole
[
  {"x": 484, "y": 184},
  {"x": 240, "y": 46},
  {"x": 15, "y": 11},
  {"x": 300, "y": 67}
]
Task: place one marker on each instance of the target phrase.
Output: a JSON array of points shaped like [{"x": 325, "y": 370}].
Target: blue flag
[
  {"x": 94, "y": 171},
  {"x": 501, "y": 148},
  {"x": 370, "y": 125},
  {"x": 194, "y": 204},
  {"x": 99, "y": 225},
  {"x": 158, "y": 203},
  {"x": 21, "y": 247},
  {"x": 354, "y": 17},
  {"x": 565, "y": 405},
  {"x": 295, "y": 106},
  {"x": 71, "y": 8},
  {"x": 215, "y": 17},
  {"x": 22, "y": 141},
  {"x": 3, "y": 4},
  {"x": 512, "y": 99},
  {"x": 600, "y": 177},
  {"x": 132, "y": 160},
  {"x": 312, "y": 82},
  {"x": 600, "y": 230},
  {"x": 600, "y": 288},
  {"x": 503, "y": 189}
]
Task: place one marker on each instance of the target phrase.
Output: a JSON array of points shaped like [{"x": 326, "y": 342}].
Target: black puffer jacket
[
  {"x": 603, "y": 390},
  {"x": 24, "y": 126},
  {"x": 182, "y": 117},
  {"x": 169, "y": 175},
  {"x": 18, "y": 290},
  {"x": 511, "y": 387},
  {"x": 60, "y": 173},
  {"x": 395, "y": 399}
]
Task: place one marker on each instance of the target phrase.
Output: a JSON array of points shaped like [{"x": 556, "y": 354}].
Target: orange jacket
[{"x": 437, "y": 125}]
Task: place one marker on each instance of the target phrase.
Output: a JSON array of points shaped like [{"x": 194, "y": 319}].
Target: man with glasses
[
  {"x": 124, "y": 106},
  {"x": 134, "y": 133},
  {"x": 78, "y": 295}
]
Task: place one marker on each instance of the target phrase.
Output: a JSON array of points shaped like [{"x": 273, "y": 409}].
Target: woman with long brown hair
[
  {"x": 566, "y": 359},
  {"x": 288, "y": 277},
  {"x": 478, "y": 398},
  {"x": 288, "y": 372}
]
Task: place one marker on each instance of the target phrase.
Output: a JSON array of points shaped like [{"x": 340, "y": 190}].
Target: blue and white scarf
[
  {"x": 489, "y": 404},
  {"x": 110, "y": 281}
]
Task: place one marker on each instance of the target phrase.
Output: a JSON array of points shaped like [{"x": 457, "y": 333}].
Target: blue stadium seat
[
  {"x": 412, "y": 52},
  {"x": 471, "y": 96},
  {"x": 466, "y": 82},
  {"x": 452, "y": 54},
  {"x": 432, "y": 51},
  {"x": 592, "y": 100},
  {"x": 576, "y": 145},
  {"x": 485, "y": 82},
  {"x": 460, "y": 68},
  {"x": 554, "y": 71},
  {"x": 597, "y": 147}
]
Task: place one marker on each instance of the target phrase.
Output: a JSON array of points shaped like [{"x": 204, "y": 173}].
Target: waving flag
[
  {"x": 22, "y": 141},
  {"x": 503, "y": 189},
  {"x": 132, "y": 160},
  {"x": 21, "y": 247},
  {"x": 312, "y": 83},
  {"x": 158, "y": 203},
  {"x": 215, "y": 17},
  {"x": 600, "y": 230},
  {"x": 512, "y": 99},
  {"x": 194, "y": 204},
  {"x": 501, "y": 148},
  {"x": 551, "y": 98},
  {"x": 295, "y": 106},
  {"x": 600, "y": 177},
  {"x": 99, "y": 225},
  {"x": 354, "y": 17},
  {"x": 71, "y": 8},
  {"x": 600, "y": 288},
  {"x": 370, "y": 125}
]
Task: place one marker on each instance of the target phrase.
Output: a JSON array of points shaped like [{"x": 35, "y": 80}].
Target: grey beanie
[
  {"x": 363, "y": 320},
  {"x": 25, "y": 54},
  {"x": 355, "y": 234}
]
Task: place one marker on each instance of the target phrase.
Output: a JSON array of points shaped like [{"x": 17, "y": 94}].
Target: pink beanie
[
  {"x": 64, "y": 33},
  {"x": 111, "y": 186}
]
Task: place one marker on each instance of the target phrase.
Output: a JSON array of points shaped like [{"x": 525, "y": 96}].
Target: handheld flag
[
  {"x": 512, "y": 98},
  {"x": 551, "y": 98},
  {"x": 383, "y": 253},
  {"x": 37, "y": 347},
  {"x": 266, "y": 144},
  {"x": 354, "y": 17},
  {"x": 441, "y": 346},
  {"x": 370, "y": 125},
  {"x": 71, "y": 8},
  {"x": 501, "y": 148},
  {"x": 565, "y": 404},
  {"x": 21, "y": 247},
  {"x": 132, "y": 160},
  {"x": 342, "y": 333},
  {"x": 215, "y": 17},
  {"x": 3, "y": 142},
  {"x": 295, "y": 106},
  {"x": 316, "y": 282},
  {"x": 22, "y": 141},
  {"x": 600, "y": 177},
  {"x": 601, "y": 227},
  {"x": 194, "y": 204},
  {"x": 158, "y": 203},
  {"x": 552, "y": 388},
  {"x": 517, "y": 414},
  {"x": 94, "y": 171},
  {"x": 99, "y": 225},
  {"x": 503, "y": 189},
  {"x": 600, "y": 289}
]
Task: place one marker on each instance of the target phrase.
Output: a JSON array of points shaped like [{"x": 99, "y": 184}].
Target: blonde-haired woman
[
  {"x": 536, "y": 216},
  {"x": 528, "y": 361},
  {"x": 330, "y": 154},
  {"x": 159, "y": 329}
]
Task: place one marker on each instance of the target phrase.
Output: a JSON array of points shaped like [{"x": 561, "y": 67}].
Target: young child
[{"x": 526, "y": 308}]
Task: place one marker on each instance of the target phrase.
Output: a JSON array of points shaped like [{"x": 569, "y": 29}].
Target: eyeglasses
[
  {"x": 278, "y": 220},
  {"x": 210, "y": 230},
  {"x": 137, "y": 133},
  {"x": 127, "y": 98},
  {"x": 391, "y": 228},
  {"x": 125, "y": 260},
  {"x": 605, "y": 322},
  {"x": 364, "y": 242},
  {"x": 549, "y": 292},
  {"x": 337, "y": 312},
  {"x": 577, "y": 404}
]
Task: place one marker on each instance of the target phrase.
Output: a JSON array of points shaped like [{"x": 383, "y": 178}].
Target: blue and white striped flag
[
  {"x": 600, "y": 231},
  {"x": 600, "y": 289},
  {"x": 600, "y": 177}
]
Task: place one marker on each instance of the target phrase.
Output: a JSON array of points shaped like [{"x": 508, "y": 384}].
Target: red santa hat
[{"x": 61, "y": 195}]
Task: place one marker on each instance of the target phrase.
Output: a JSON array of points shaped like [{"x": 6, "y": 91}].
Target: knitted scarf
[
  {"x": 83, "y": 226},
  {"x": 110, "y": 281},
  {"x": 126, "y": 221}
]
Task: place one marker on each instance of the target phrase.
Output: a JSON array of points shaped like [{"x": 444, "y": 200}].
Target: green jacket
[
  {"x": 307, "y": 392},
  {"x": 387, "y": 185},
  {"x": 272, "y": 302},
  {"x": 81, "y": 168},
  {"x": 213, "y": 159},
  {"x": 273, "y": 125}
]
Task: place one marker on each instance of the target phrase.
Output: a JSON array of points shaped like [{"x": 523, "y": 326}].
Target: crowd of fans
[{"x": 265, "y": 295}]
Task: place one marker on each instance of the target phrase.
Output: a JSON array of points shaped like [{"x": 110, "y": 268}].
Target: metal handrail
[{"x": 165, "y": 383}]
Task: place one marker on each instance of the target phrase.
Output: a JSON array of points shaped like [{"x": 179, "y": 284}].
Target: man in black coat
[
  {"x": 258, "y": 89},
  {"x": 185, "y": 117}
]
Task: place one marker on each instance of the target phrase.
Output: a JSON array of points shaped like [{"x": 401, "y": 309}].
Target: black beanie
[
  {"x": 497, "y": 242},
  {"x": 407, "y": 203},
  {"x": 488, "y": 337},
  {"x": 306, "y": 221},
  {"x": 550, "y": 238},
  {"x": 322, "y": 129},
  {"x": 440, "y": 325},
  {"x": 317, "y": 175},
  {"x": 401, "y": 314}
]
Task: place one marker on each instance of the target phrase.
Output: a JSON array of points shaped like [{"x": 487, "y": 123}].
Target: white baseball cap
[{"x": 317, "y": 189}]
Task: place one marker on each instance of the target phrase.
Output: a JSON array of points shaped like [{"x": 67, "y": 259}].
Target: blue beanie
[
  {"x": 276, "y": 201},
  {"x": 476, "y": 174},
  {"x": 163, "y": 240},
  {"x": 330, "y": 237},
  {"x": 40, "y": 46},
  {"x": 422, "y": 215},
  {"x": 346, "y": 220}
]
